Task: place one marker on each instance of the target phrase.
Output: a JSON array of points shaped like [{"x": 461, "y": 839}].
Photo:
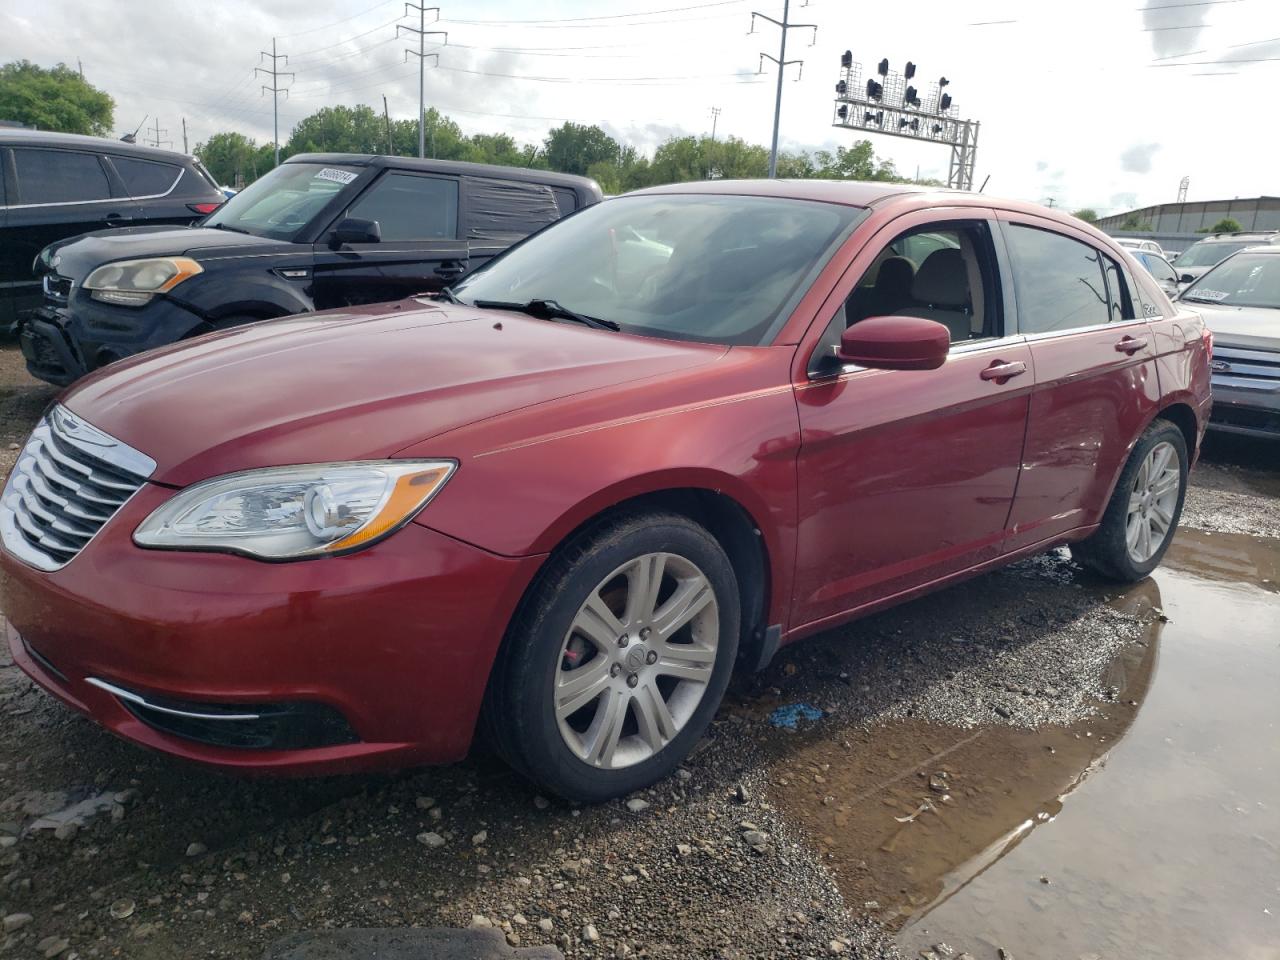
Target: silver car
[
  {"x": 1204, "y": 254},
  {"x": 1240, "y": 302}
]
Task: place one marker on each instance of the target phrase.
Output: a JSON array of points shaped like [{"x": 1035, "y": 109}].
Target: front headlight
[
  {"x": 132, "y": 283},
  {"x": 287, "y": 513}
]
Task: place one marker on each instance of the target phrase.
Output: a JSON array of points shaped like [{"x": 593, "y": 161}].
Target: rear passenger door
[
  {"x": 420, "y": 250},
  {"x": 1095, "y": 375},
  {"x": 55, "y": 194}
]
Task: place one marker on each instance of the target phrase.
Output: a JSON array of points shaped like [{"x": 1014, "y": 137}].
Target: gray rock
[
  {"x": 636, "y": 805},
  {"x": 479, "y": 922},
  {"x": 431, "y": 839},
  {"x": 589, "y": 933},
  {"x": 479, "y": 839},
  {"x": 16, "y": 921},
  {"x": 404, "y": 944},
  {"x": 196, "y": 849}
]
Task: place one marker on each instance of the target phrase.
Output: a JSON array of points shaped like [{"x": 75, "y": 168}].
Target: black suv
[
  {"x": 317, "y": 232},
  {"x": 58, "y": 185}
]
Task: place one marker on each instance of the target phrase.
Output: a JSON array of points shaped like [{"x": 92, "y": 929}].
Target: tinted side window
[
  {"x": 1059, "y": 281},
  {"x": 60, "y": 176},
  {"x": 1119, "y": 291},
  {"x": 408, "y": 207},
  {"x": 146, "y": 178},
  {"x": 566, "y": 200}
]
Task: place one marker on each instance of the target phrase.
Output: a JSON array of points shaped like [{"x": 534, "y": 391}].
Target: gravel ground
[{"x": 168, "y": 861}]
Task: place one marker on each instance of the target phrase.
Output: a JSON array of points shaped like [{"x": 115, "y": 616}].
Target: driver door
[
  {"x": 905, "y": 476},
  {"x": 420, "y": 250}
]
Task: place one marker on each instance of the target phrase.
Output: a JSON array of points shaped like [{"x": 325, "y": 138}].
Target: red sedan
[{"x": 566, "y": 499}]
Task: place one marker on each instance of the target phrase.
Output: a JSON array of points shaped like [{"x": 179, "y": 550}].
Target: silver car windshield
[
  {"x": 1246, "y": 280},
  {"x": 281, "y": 203}
]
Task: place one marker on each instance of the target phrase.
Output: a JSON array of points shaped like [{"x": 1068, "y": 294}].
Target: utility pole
[
  {"x": 387, "y": 115},
  {"x": 715, "y": 117},
  {"x": 184, "y": 136},
  {"x": 275, "y": 73},
  {"x": 421, "y": 53},
  {"x": 784, "y": 27},
  {"x": 156, "y": 132},
  {"x": 80, "y": 67}
]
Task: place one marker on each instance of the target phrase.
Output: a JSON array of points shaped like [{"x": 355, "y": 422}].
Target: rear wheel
[
  {"x": 619, "y": 659},
  {"x": 1143, "y": 514}
]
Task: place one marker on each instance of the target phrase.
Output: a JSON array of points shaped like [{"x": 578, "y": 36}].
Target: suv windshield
[
  {"x": 281, "y": 203},
  {"x": 684, "y": 267},
  {"x": 1247, "y": 280},
  {"x": 1206, "y": 253}
]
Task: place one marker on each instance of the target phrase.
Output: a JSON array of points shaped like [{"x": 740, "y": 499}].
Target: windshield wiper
[
  {"x": 223, "y": 226},
  {"x": 1199, "y": 300},
  {"x": 547, "y": 310},
  {"x": 446, "y": 293}
]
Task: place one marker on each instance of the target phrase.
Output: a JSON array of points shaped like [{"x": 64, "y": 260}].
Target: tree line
[{"x": 60, "y": 99}]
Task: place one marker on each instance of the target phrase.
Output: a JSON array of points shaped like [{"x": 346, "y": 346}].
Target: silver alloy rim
[
  {"x": 1152, "y": 502},
  {"x": 636, "y": 661}
]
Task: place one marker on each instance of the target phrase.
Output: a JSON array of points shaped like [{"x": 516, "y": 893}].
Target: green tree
[
  {"x": 1226, "y": 225},
  {"x": 1132, "y": 222},
  {"x": 339, "y": 129},
  {"x": 54, "y": 99},
  {"x": 232, "y": 158},
  {"x": 573, "y": 148},
  {"x": 856, "y": 162},
  {"x": 1087, "y": 214}
]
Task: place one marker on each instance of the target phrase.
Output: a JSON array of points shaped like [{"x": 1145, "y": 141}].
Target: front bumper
[
  {"x": 61, "y": 344},
  {"x": 391, "y": 646}
]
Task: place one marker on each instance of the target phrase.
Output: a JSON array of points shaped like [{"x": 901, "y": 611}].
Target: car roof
[
  {"x": 1271, "y": 236},
  {"x": 21, "y": 136},
  {"x": 455, "y": 167}
]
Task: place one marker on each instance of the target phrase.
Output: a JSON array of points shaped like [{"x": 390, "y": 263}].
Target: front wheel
[
  {"x": 619, "y": 659},
  {"x": 1143, "y": 514}
]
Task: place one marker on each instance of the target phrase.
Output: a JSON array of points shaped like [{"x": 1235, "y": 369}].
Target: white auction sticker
[{"x": 338, "y": 176}]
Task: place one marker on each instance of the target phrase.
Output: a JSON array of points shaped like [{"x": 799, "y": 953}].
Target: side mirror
[
  {"x": 352, "y": 230},
  {"x": 1186, "y": 278},
  {"x": 895, "y": 343}
]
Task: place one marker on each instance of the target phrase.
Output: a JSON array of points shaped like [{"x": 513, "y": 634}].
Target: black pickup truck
[{"x": 319, "y": 231}]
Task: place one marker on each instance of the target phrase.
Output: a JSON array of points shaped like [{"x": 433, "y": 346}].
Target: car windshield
[
  {"x": 281, "y": 203},
  {"x": 718, "y": 269},
  {"x": 1205, "y": 254},
  {"x": 1246, "y": 280}
]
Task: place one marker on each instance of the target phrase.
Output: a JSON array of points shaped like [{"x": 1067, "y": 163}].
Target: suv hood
[
  {"x": 359, "y": 384},
  {"x": 1257, "y": 328},
  {"x": 76, "y": 257}
]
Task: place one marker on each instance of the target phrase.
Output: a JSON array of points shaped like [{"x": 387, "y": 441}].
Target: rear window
[
  {"x": 146, "y": 178},
  {"x": 566, "y": 200},
  {"x": 60, "y": 176}
]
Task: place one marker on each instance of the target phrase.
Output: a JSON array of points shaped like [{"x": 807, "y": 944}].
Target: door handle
[
  {"x": 450, "y": 269},
  {"x": 1001, "y": 372},
  {"x": 116, "y": 218},
  {"x": 1131, "y": 345}
]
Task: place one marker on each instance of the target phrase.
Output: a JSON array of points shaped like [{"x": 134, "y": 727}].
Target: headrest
[
  {"x": 942, "y": 280},
  {"x": 895, "y": 273}
]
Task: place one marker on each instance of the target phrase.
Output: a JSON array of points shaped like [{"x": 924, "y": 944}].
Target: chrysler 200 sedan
[{"x": 563, "y": 500}]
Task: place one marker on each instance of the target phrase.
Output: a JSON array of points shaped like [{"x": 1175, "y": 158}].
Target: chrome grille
[{"x": 69, "y": 480}]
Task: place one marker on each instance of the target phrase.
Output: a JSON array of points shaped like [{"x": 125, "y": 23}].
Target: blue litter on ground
[{"x": 793, "y": 713}]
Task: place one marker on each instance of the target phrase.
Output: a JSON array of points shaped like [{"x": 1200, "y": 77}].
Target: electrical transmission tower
[
  {"x": 784, "y": 26},
  {"x": 422, "y": 33},
  {"x": 275, "y": 73},
  {"x": 156, "y": 133},
  {"x": 1183, "y": 185}
]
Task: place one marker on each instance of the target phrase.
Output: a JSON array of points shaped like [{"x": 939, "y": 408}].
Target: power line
[
  {"x": 275, "y": 74},
  {"x": 1215, "y": 63},
  {"x": 1197, "y": 3},
  {"x": 422, "y": 33},
  {"x": 354, "y": 16},
  {"x": 609, "y": 16},
  {"x": 784, "y": 26}
]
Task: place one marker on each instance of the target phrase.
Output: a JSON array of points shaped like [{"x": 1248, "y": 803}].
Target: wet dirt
[{"x": 1148, "y": 830}]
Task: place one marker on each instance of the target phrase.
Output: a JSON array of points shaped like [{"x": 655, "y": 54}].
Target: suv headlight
[
  {"x": 131, "y": 283},
  {"x": 288, "y": 513}
]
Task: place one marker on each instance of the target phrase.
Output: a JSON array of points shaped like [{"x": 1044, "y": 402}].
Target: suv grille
[{"x": 69, "y": 480}]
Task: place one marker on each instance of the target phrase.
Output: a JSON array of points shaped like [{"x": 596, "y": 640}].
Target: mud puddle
[{"x": 1151, "y": 829}]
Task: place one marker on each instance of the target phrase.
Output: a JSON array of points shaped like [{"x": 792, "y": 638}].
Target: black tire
[
  {"x": 519, "y": 712},
  {"x": 1106, "y": 550}
]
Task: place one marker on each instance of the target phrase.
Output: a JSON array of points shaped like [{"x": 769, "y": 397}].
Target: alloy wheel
[
  {"x": 636, "y": 661},
  {"x": 1152, "y": 502}
]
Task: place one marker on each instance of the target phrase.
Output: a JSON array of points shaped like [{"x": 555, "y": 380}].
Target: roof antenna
[
  {"x": 984, "y": 183},
  {"x": 133, "y": 137}
]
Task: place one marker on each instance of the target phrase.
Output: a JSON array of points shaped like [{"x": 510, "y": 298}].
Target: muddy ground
[{"x": 1032, "y": 762}]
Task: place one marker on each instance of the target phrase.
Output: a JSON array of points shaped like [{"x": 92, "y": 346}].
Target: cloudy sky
[{"x": 1101, "y": 103}]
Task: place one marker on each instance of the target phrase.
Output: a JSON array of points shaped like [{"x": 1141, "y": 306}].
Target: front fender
[{"x": 243, "y": 292}]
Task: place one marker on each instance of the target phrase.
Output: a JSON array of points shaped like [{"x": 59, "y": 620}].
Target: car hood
[
  {"x": 353, "y": 385},
  {"x": 77, "y": 256},
  {"x": 1256, "y": 328}
]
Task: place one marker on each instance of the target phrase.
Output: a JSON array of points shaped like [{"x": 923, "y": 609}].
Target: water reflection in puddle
[
  {"x": 1152, "y": 830},
  {"x": 1170, "y": 845}
]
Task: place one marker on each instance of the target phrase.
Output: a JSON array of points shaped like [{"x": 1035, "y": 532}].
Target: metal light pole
[
  {"x": 784, "y": 25},
  {"x": 422, "y": 33}
]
